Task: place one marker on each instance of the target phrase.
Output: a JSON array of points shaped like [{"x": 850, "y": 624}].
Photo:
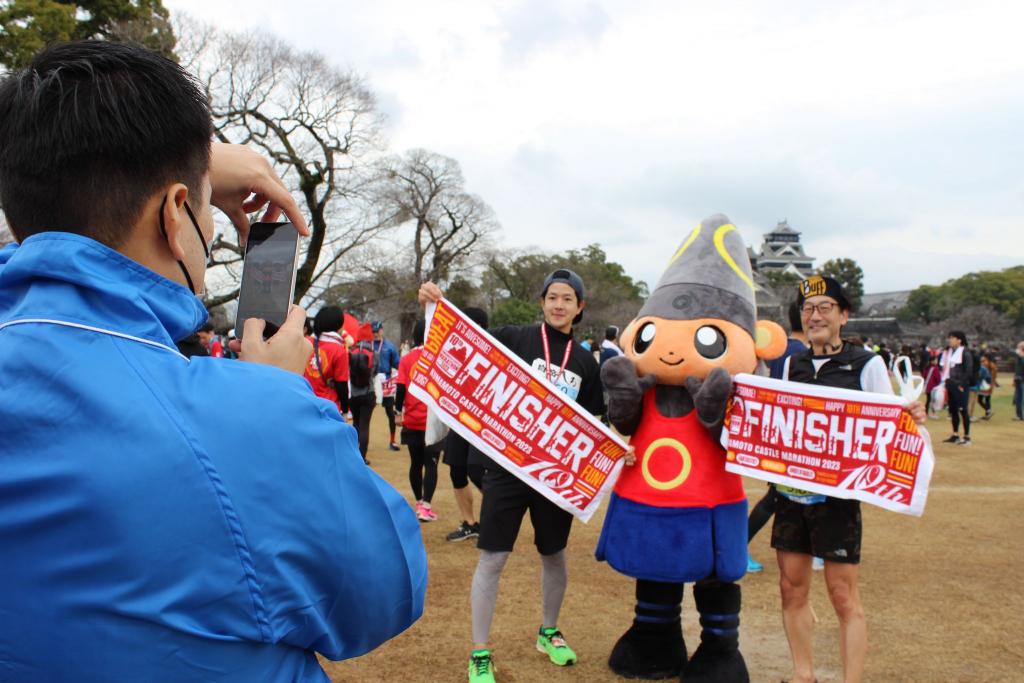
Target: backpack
[
  {"x": 975, "y": 368},
  {"x": 320, "y": 368},
  {"x": 360, "y": 365}
]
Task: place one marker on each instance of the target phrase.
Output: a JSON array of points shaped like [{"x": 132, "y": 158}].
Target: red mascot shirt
[{"x": 678, "y": 464}]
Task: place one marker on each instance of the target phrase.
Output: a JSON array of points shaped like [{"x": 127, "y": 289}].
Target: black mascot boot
[
  {"x": 653, "y": 646},
  {"x": 718, "y": 658}
]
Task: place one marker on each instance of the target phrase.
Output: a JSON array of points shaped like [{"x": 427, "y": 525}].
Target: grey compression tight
[{"x": 484, "y": 594}]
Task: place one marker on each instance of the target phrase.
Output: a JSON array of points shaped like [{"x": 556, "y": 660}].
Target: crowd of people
[
  {"x": 171, "y": 542},
  {"x": 958, "y": 377}
]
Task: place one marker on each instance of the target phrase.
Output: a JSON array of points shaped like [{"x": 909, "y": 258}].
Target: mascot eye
[
  {"x": 710, "y": 342},
  {"x": 644, "y": 338}
]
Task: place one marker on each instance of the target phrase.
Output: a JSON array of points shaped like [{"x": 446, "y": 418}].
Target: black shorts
[
  {"x": 831, "y": 530},
  {"x": 456, "y": 450},
  {"x": 413, "y": 437},
  {"x": 506, "y": 500},
  {"x": 417, "y": 438}
]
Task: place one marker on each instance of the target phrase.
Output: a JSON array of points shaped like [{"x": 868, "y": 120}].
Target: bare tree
[
  {"x": 449, "y": 226},
  {"x": 317, "y": 123},
  {"x": 979, "y": 323}
]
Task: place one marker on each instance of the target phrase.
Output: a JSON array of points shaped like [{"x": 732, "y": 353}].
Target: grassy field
[{"x": 939, "y": 590}]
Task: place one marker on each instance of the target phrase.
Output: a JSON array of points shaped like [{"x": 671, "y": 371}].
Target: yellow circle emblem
[{"x": 684, "y": 472}]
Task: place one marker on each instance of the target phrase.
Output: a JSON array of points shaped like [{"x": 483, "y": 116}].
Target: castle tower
[{"x": 781, "y": 251}]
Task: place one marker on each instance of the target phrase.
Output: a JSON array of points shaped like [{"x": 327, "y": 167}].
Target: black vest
[{"x": 841, "y": 371}]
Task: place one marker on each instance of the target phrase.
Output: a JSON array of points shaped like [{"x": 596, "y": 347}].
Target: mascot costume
[{"x": 677, "y": 516}]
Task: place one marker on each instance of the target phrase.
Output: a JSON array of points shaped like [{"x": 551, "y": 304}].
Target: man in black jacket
[
  {"x": 957, "y": 363},
  {"x": 549, "y": 348},
  {"x": 808, "y": 524}
]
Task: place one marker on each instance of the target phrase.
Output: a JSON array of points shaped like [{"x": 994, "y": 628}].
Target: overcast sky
[{"x": 887, "y": 132}]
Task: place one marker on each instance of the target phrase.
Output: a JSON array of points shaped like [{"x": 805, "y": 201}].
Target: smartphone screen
[{"x": 268, "y": 275}]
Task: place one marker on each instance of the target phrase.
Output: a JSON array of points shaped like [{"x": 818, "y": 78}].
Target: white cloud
[{"x": 874, "y": 127}]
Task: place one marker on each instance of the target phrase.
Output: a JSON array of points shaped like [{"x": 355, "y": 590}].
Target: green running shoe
[
  {"x": 481, "y": 668},
  {"x": 551, "y": 643}
]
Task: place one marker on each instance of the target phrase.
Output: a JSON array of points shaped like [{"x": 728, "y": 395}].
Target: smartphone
[{"x": 268, "y": 275}]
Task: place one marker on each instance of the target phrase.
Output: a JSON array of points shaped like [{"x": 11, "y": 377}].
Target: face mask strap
[{"x": 195, "y": 224}]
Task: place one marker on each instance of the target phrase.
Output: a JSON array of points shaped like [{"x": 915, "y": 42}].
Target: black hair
[
  {"x": 417, "y": 332},
  {"x": 795, "y": 323},
  {"x": 611, "y": 333},
  {"x": 90, "y": 130},
  {"x": 959, "y": 335},
  {"x": 477, "y": 315},
  {"x": 206, "y": 327},
  {"x": 328, "y": 319}
]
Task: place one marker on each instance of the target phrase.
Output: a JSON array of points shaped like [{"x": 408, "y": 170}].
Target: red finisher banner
[
  {"x": 503, "y": 407},
  {"x": 836, "y": 442}
]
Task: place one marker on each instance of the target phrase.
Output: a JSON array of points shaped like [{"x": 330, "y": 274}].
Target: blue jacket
[
  {"x": 171, "y": 520},
  {"x": 386, "y": 356}
]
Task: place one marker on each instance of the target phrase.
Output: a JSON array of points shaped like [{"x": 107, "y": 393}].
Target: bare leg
[
  {"x": 844, "y": 593},
  {"x": 798, "y": 620},
  {"x": 464, "y": 499}
]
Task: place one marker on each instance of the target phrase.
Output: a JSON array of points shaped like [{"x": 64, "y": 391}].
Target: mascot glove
[
  {"x": 710, "y": 396},
  {"x": 625, "y": 392}
]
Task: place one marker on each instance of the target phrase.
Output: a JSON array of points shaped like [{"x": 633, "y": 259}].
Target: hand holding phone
[
  {"x": 268, "y": 276},
  {"x": 288, "y": 349}
]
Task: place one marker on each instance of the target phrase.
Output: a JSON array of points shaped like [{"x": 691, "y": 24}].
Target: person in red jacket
[
  {"x": 327, "y": 369},
  {"x": 411, "y": 416}
]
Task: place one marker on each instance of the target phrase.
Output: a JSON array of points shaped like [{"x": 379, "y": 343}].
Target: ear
[
  {"x": 175, "y": 219},
  {"x": 769, "y": 340}
]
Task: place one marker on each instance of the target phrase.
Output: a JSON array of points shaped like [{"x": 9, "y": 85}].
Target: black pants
[
  {"x": 422, "y": 464},
  {"x": 362, "y": 410},
  {"x": 389, "y": 407},
  {"x": 985, "y": 401},
  {"x": 958, "y": 407}
]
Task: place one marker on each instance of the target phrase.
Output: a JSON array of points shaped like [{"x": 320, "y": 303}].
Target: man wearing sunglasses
[
  {"x": 145, "y": 537},
  {"x": 810, "y": 525}
]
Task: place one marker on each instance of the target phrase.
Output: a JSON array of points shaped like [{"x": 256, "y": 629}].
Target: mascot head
[{"x": 702, "y": 315}]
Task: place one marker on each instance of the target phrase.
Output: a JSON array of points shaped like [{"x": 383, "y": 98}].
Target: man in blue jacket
[
  {"x": 386, "y": 356},
  {"x": 144, "y": 537}
]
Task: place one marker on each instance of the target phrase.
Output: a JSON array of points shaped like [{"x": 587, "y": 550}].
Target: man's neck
[
  {"x": 567, "y": 330},
  {"x": 829, "y": 348}
]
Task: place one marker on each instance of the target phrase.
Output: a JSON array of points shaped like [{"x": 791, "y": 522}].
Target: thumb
[
  {"x": 253, "y": 331},
  {"x": 647, "y": 381},
  {"x": 296, "y": 318}
]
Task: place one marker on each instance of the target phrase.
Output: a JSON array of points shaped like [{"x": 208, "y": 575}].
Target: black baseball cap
[
  {"x": 822, "y": 285},
  {"x": 570, "y": 278}
]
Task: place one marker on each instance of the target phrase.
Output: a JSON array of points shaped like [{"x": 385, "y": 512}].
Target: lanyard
[{"x": 547, "y": 355}]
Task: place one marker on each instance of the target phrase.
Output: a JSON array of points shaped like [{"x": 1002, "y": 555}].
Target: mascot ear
[{"x": 770, "y": 340}]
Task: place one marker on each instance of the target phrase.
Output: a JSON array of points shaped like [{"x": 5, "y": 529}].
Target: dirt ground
[{"x": 941, "y": 601}]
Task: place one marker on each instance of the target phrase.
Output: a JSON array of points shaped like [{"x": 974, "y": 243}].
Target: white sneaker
[{"x": 818, "y": 563}]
